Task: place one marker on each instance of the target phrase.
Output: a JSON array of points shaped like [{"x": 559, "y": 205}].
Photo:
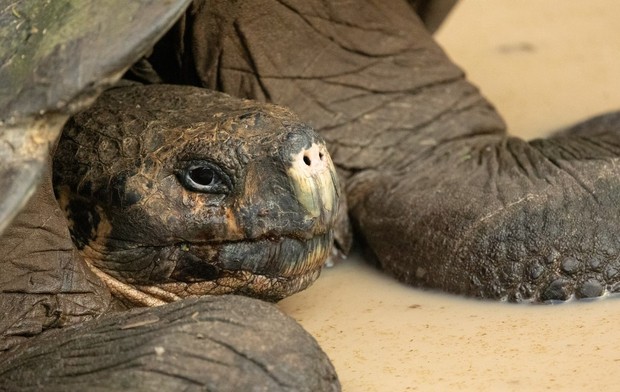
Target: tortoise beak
[
  {"x": 292, "y": 193},
  {"x": 315, "y": 183},
  {"x": 312, "y": 177}
]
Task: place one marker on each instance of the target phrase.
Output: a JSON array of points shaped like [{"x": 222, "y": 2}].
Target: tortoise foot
[{"x": 497, "y": 217}]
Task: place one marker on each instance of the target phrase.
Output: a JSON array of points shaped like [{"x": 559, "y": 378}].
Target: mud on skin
[{"x": 442, "y": 195}]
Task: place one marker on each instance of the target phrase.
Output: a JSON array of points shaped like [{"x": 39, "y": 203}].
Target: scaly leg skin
[
  {"x": 442, "y": 195},
  {"x": 225, "y": 343}
]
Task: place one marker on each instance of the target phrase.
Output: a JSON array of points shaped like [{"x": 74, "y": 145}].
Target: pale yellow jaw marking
[{"x": 152, "y": 297}]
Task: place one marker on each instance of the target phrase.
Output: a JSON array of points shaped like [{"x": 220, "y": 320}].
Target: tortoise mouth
[
  {"x": 234, "y": 282},
  {"x": 269, "y": 269},
  {"x": 271, "y": 256}
]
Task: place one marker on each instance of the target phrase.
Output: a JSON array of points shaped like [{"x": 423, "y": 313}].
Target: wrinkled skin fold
[
  {"x": 442, "y": 195},
  {"x": 44, "y": 283},
  {"x": 223, "y": 343}
]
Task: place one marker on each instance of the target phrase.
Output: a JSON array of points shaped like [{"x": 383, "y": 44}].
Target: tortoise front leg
[{"x": 225, "y": 343}]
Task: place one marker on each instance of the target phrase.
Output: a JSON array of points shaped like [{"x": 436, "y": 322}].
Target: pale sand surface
[{"x": 545, "y": 64}]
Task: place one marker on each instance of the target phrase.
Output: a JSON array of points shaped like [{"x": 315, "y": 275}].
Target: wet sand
[{"x": 544, "y": 65}]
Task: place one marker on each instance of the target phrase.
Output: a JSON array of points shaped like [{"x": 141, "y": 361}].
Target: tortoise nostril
[
  {"x": 312, "y": 176},
  {"x": 311, "y": 160}
]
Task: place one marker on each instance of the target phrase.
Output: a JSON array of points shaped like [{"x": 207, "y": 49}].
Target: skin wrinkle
[
  {"x": 318, "y": 78},
  {"x": 177, "y": 376},
  {"x": 181, "y": 314},
  {"x": 78, "y": 308},
  {"x": 520, "y": 165},
  {"x": 414, "y": 132},
  {"x": 564, "y": 169},
  {"x": 301, "y": 365},
  {"x": 360, "y": 116},
  {"x": 29, "y": 235},
  {"x": 251, "y": 62},
  {"x": 215, "y": 319},
  {"x": 374, "y": 91},
  {"x": 74, "y": 358},
  {"x": 264, "y": 368},
  {"x": 116, "y": 365},
  {"x": 320, "y": 104},
  {"x": 28, "y": 268},
  {"x": 42, "y": 251},
  {"x": 604, "y": 147},
  {"x": 132, "y": 336},
  {"x": 48, "y": 293},
  {"x": 363, "y": 28},
  {"x": 336, "y": 38},
  {"x": 295, "y": 13},
  {"x": 503, "y": 167},
  {"x": 428, "y": 153},
  {"x": 189, "y": 354}
]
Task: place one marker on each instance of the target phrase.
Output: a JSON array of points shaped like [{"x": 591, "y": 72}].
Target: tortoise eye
[{"x": 204, "y": 177}]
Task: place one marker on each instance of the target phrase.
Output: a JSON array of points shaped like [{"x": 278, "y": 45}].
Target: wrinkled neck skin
[
  {"x": 44, "y": 283},
  {"x": 141, "y": 217},
  {"x": 380, "y": 90},
  {"x": 443, "y": 197}
]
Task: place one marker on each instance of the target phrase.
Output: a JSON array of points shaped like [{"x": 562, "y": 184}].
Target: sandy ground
[{"x": 545, "y": 64}]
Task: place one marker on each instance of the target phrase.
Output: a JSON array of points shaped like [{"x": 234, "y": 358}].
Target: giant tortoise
[{"x": 436, "y": 190}]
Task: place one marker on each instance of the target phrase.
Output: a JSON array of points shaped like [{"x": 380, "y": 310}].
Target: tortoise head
[{"x": 176, "y": 191}]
